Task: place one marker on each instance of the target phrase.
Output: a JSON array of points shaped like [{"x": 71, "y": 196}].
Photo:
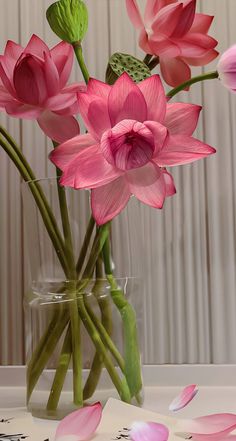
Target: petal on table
[
  {"x": 149, "y": 432},
  {"x": 81, "y": 424}
]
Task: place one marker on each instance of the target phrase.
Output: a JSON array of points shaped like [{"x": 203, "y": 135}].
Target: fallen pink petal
[
  {"x": 150, "y": 431},
  {"x": 211, "y": 427},
  {"x": 184, "y": 398},
  {"x": 80, "y": 425}
]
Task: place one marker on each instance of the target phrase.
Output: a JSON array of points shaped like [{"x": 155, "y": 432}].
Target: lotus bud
[{"x": 68, "y": 19}]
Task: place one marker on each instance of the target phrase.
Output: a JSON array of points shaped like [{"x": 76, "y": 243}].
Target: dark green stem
[
  {"x": 147, "y": 59},
  {"x": 85, "y": 245},
  {"x": 61, "y": 372},
  {"x": 153, "y": 63},
  {"x": 34, "y": 188},
  {"x": 79, "y": 55},
  {"x": 197, "y": 79}
]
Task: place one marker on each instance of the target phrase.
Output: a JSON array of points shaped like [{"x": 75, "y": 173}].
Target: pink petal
[
  {"x": 13, "y": 50},
  {"x": 182, "y": 118},
  {"x": 94, "y": 112},
  {"x": 186, "y": 19},
  {"x": 126, "y": 101},
  {"x": 57, "y": 127},
  {"x": 62, "y": 56},
  {"x": 51, "y": 75},
  {"x": 196, "y": 45},
  {"x": 61, "y": 101},
  {"x": 6, "y": 75},
  {"x": 36, "y": 46},
  {"x": 153, "y": 7},
  {"x": 134, "y": 14},
  {"x": 5, "y": 96},
  {"x": 167, "y": 19},
  {"x": 164, "y": 47},
  {"x": 29, "y": 80},
  {"x": 65, "y": 153},
  {"x": 174, "y": 71},
  {"x": 89, "y": 169},
  {"x": 184, "y": 398},
  {"x": 211, "y": 427},
  {"x": 182, "y": 149},
  {"x": 170, "y": 185},
  {"x": 203, "y": 59},
  {"x": 154, "y": 94},
  {"x": 149, "y": 432},
  {"x": 148, "y": 185},
  {"x": 109, "y": 200},
  {"x": 144, "y": 42},
  {"x": 160, "y": 134},
  {"x": 201, "y": 23},
  {"x": 98, "y": 88},
  {"x": 81, "y": 424},
  {"x": 25, "y": 111}
]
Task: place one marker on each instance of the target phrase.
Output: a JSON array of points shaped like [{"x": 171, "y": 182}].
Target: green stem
[
  {"x": 121, "y": 385},
  {"x": 34, "y": 188},
  {"x": 153, "y": 63},
  {"x": 79, "y": 55},
  {"x": 147, "y": 59},
  {"x": 61, "y": 372},
  {"x": 31, "y": 177},
  {"x": 197, "y": 79},
  {"x": 85, "y": 245}
]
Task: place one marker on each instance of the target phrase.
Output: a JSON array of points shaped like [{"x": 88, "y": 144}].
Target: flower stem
[
  {"x": 37, "y": 194},
  {"x": 79, "y": 55},
  {"x": 85, "y": 245},
  {"x": 197, "y": 79},
  {"x": 153, "y": 63},
  {"x": 147, "y": 59},
  {"x": 61, "y": 372}
]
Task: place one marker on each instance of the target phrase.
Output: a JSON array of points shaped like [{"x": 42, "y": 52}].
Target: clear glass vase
[{"x": 82, "y": 333}]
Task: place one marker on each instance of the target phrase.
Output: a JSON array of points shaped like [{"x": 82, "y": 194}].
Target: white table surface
[{"x": 216, "y": 383}]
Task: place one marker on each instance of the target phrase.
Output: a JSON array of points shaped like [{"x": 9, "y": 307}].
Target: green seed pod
[
  {"x": 120, "y": 63},
  {"x": 68, "y": 19}
]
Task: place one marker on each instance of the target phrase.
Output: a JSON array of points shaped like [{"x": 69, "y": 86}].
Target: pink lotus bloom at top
[
  {"x": 33, "y": 86},
  {"x": 227, "y": 68},
  {"x": 172, "y": 30},
  {"x": 133, "y": 135},
  {"x": 80, "y": 425},
  {"x": 184, "y": 398}
]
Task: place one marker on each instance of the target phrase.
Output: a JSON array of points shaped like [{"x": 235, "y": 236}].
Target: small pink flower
[
  {"x": 133, "y": 135},
  {"x": 33, "y": 86},
  {"x": 80, "y": 425},
  {"x": 173, "y": 31},
  {"x": 227, "y": 68},
  {"x": 184, "y": 398},
  {"x": 149, "y": 432}
]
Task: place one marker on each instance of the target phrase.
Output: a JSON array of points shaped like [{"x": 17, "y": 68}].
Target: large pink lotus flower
[
  {"x": 33, "y": 86},
  {"x": 172, "y": 30},
  {"x": 227, "y": 68},
  {"x": 133, "y": 135}
]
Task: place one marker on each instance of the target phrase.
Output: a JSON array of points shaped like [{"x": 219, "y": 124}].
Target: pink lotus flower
[
  {"x": 172, "y": 30},
  {"x": 149, "y": 432},
  {"x": 227, "y": 68},
  {"x": 133, "y": 135},
  {"x": 184, "y": 398},
  {"x": 80, "y": 425},
  {"x": 33, "y": 86}
]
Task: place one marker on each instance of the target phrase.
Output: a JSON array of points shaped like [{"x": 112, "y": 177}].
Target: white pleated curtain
[{"x": 188, "y": 247}]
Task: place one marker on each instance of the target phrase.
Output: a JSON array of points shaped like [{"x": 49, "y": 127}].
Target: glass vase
[{"x": 83, "y": 322}]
